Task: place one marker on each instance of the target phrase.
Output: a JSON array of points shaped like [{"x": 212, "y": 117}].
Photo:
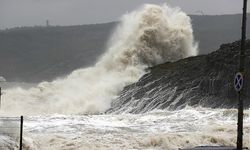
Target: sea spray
[
  {"x": 156, "y": 130},
  {"x": 146, "y": 37}
]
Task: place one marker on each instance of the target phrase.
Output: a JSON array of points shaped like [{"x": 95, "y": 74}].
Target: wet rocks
[{"x": 204, "y": 80}]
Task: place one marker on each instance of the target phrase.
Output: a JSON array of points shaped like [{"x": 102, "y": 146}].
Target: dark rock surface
[{"x": 205, "y": 80}]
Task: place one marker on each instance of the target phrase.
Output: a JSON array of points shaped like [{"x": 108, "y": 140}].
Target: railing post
[{"x": 21, "y": 134}]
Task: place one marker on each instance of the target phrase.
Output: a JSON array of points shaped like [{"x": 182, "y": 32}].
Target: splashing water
[
  {"x": 157, "y": 130},
  {"x": 146, "y": 37}
]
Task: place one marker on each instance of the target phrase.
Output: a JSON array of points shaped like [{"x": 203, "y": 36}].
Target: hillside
[
  {"x": 212, "y": 31},
  {"x": 205, "y": 80},
  {"x": 34, "y": 54}
]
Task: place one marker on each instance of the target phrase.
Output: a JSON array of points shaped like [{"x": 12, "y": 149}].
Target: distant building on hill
[{"x": 47, "y": 23}]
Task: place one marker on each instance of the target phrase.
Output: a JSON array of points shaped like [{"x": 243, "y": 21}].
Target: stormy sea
[{"x": 149, "y": 91}]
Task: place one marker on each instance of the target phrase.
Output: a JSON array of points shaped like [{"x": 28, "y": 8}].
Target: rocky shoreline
[{"x": 204, "y": 80}]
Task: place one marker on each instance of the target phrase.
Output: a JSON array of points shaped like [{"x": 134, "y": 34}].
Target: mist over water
[{"x": 148, "y": 36}]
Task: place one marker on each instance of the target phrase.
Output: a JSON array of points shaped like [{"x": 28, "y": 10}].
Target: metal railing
[{"x": 11, "y": 132}]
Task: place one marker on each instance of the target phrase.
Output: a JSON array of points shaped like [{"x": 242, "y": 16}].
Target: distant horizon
[
  {"x": 16, "y": 13},
  {"x": 68, "y": 25}
]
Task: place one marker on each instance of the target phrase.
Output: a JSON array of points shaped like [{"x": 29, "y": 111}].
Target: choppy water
[
  {"x": 146, "y": 37},
  {"x": 155, "y": 130}
]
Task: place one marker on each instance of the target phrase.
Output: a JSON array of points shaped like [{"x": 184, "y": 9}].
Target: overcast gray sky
[{"x": 73, "y": 12}]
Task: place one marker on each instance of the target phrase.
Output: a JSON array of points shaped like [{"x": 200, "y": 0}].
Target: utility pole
[{"x": 241, "y": 70}]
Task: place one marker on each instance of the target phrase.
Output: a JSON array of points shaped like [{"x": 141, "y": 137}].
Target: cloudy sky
[{"x": 73, "y": 12}]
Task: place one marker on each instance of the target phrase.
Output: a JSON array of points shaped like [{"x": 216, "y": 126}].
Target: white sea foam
[
  {"x": 146, "y": 37},
  {"x": 158, "y": 130}
]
